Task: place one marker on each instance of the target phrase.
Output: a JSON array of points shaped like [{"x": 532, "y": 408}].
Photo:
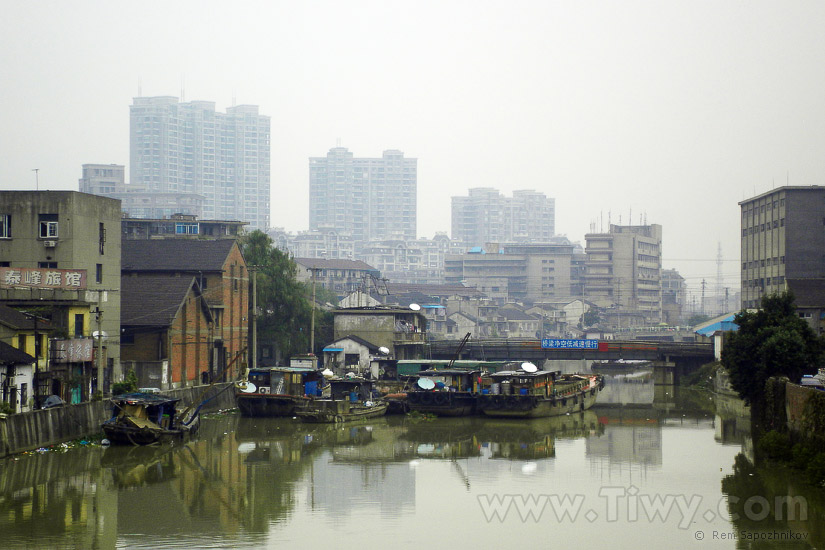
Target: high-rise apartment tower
[
  {"x": 369, "y": 198},
  {"x": 486, "y": 216},
  {"x": 190, "y": 149}
]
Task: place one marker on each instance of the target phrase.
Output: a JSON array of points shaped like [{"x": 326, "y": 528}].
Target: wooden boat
[
  {"x": 349, "y": 399},
  {"x": 523, "y": 394},
  {"x": 328, "y": 411},
  {"x": 448, "y": 392},
  {"x": 277, "y": 391},
  {"x": 147, "y": 418}
]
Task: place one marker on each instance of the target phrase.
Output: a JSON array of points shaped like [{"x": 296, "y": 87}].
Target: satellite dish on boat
[
  {"x": 415, "y": 307},
  {"x": 247, "y": 387},
  {"x": 384, "y": 351},
  {"x": 529, "y": 367},
  {"x": 246, "y": 447},
  {"x": 426, "y": 383}
]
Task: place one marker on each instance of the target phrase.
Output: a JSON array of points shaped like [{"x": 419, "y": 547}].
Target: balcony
[{"x": 406, "y": 338}]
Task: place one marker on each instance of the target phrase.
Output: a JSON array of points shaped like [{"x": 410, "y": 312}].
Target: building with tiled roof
[
  {"x": 222, "y": 276},
  {"x": 339, "y": 276},
  {"x": 167, "y": 330}
]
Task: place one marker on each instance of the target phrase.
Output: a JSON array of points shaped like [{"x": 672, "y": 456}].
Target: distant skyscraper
[
  {"x": 369, "y": 198},
  {"x": 189, "y": 149},
  {"x": 487, "y": 216},
  {"x": 624, "y": 270}
]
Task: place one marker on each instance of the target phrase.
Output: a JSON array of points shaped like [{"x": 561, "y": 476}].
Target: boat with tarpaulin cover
[{"x": 145, "y": 418}]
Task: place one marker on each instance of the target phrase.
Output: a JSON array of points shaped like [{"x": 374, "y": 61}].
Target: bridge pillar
[{"x": 665, "y": 373}]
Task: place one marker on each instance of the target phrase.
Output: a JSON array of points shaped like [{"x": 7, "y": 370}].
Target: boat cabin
[
  {"x": 352, "y": 389},
  {"x": 294, "y": 381},
  {"x": 454, "y": 380},
  {"x": 540, "y": 383},
  {"x": 145, "y": 410}
]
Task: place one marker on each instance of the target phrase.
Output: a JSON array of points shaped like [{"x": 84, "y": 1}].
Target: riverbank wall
[
  {"x": 805, "y": 411},
  {"x": 33, "y": 430}
]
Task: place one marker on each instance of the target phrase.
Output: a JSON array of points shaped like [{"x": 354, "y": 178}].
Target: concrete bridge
[{"x": 673, "y": 358}]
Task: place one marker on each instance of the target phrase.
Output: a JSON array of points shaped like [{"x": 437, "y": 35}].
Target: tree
[
  {"x": 773, "y": 341},
  {"x": 284, "y": 306},
  {"x": 591, "y": 317}
]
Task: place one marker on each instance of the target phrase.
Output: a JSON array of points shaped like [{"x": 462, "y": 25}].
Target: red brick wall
[
  {"x": 145, "y": 347},
  {"x": 189, "y": 342},
  {"x": 235, "y": 324}
]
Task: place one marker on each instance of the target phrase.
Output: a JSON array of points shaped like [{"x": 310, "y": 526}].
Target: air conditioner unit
[
  {"x": 49, "y": 244},
  {"x": 263, "y": 389}
]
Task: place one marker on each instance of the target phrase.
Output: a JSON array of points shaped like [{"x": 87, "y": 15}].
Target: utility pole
[
  {"x": 254, "y": 270},
  {"x": 312, "y": 326},
  {"x": 99, "y": 316}
]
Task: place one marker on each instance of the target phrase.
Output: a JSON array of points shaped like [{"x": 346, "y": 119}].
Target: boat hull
[
  {"x": 328, "y": 416},
  {"x": 260, "y": 405},
  {"x": 119, "y": 433},
  {"x": 442, "y": 403},
  {"x": 527, "y": 406}
]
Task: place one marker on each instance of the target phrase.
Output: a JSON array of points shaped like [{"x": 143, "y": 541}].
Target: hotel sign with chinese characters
[{"x": 66, "y": 279}]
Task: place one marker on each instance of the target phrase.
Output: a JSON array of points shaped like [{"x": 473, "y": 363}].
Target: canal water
[{"x": 646, "y": 468}]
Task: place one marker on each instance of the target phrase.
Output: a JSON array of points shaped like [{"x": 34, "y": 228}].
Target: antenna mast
[{"x": 720, "y": 281}]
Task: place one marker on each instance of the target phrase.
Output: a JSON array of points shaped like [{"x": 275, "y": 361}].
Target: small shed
[{"x": 349, "y": 354}]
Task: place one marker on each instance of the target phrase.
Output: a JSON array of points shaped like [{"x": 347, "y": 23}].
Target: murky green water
[{"x": 649, "y": 474}]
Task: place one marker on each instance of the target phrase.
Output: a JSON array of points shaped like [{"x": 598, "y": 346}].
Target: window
[
  {"x": 186, "y": 228},
  {"x": 99, "y": 273},
  {"x": 47, "y": 265},
  {"x": 78, "y": 325},
  {"x": 21, "y": 342},
  {"x": 5, "y": 226},
  {"x": 48, "y": 226},
  {"x": 101, "y": 237}
]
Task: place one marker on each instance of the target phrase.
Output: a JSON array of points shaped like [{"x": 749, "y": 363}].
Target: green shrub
[
  {"x": 801, "y": 456},
  {"x": 775, "y": 445},
  {"x": 815, "y": 470},
  {"x": 129, "y": 384}
]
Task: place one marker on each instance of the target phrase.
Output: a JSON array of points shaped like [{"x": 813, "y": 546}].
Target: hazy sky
[{"x": 671, "y": 110}]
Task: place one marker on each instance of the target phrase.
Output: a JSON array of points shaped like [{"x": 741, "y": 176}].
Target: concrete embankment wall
[
  {"x": 35, "y": 429},
  {"x": 805, "y": 411}
]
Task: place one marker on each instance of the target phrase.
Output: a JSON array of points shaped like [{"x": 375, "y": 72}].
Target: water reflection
[
  {"x": 248, "y": 482},
  {"x": 772, "y": 509}
]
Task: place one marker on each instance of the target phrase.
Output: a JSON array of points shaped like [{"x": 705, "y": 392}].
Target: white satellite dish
[
  {"x": 426, "y": 383},
  {"x": 384, "y": 351},
  {"x": 529, "y": 367},
  {"x": 415, "y": 307},
  {"x": 102, "y": 335},
  {"x": 246, "y": 447},
  {"x": 326, "y": 373},
  {"x": 247, "y": 387}
]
